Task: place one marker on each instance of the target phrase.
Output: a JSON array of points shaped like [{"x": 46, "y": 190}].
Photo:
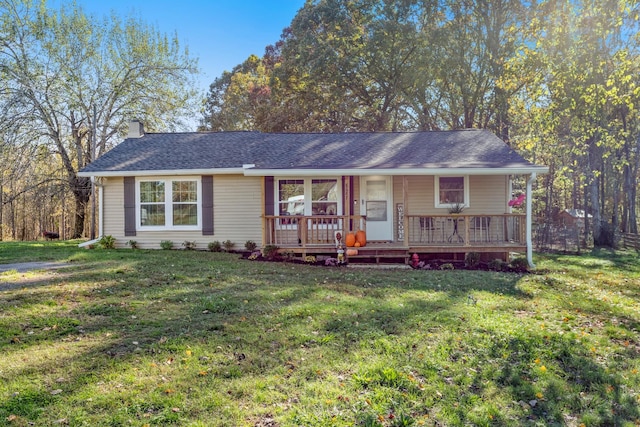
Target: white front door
[{"x": 376, "y": 201}]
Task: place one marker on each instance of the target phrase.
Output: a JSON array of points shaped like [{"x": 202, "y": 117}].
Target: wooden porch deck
[{"x": 430, "y": 236}]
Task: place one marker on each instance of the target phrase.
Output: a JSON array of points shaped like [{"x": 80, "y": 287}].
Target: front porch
[{"x": 431, "y": 236}]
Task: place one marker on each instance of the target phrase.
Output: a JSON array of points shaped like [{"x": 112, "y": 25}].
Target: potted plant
[{"x": 456, "y": 208}]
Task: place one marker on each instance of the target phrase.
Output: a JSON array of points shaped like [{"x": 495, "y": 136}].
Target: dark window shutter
[
  {"x": 269, "y": 196},
  {"x": 207, "y": 205},
  {"x": 129, "y": 206}
]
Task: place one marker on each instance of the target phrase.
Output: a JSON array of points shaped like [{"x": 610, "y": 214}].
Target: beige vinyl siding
[
  {"x": 237, "y": 204},
  {"x": 237, "y": 209},
  {"x": 420, "y": 197},
  {"x": 487, "y": 194},
  {"x": 113, "y": 211}
]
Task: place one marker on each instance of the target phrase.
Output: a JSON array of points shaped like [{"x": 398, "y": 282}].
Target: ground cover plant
[{"x": 122, "y": 337}]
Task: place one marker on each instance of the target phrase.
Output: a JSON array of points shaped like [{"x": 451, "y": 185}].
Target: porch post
[{"x": 530, "y": 181}]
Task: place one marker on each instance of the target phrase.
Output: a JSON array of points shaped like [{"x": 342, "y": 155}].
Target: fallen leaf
[
  {"x": 56, "y": 391},
  {"x": 175, "y": 409},
  {"x": 12, "y": 417}
]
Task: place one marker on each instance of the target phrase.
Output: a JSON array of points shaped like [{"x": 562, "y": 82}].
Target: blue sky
[{"x": 220, "y": 33}]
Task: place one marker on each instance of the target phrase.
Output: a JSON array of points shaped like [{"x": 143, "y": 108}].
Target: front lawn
[{"x": 130, "y": 337}]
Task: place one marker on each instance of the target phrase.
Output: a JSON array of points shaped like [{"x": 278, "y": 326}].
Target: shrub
[
  {"x": 107, "y": 242},
  {"x": 133, "y": 244},
  {"x": 228, "y": 245},
  {"x": 166, "y": 244},
  {"x": 520, "y": 264},
  {"x": 215, "y": 246},
  {"x": 270, "y": 252},
  {"x": 250, "y": 245},
  {"x": 497, "y": 265},
  {"x": 472, "y": 259},
  {"x": 447, "y": 266},
  {"x": 189, "y": 245}
]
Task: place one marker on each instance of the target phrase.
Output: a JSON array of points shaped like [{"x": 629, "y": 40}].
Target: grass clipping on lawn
[{"x": 127, "y": 337}]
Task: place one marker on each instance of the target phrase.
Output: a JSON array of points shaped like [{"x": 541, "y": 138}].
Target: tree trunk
[
  {"x": 630, "y": 171},
  {"x": 595, "y": 205},
  {"x": 1, "y": 208},
  {"x": 614, "y": 216},
  {"x": 81, "y": 188}
]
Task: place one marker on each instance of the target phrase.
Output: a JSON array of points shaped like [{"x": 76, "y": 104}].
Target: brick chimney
[{"x": 136, "y": 129}]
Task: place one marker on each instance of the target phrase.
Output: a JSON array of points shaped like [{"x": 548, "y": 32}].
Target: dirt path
[
  {"x": 47, "y": 269},
  {"x": 23, "y": 267}
]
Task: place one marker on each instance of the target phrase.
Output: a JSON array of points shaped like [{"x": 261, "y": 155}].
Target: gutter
[
  {"x": 169, "y": 172},
  {"x": 443, "y": 171}
]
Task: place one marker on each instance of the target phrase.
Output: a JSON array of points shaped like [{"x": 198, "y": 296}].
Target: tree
[
  {"x": 71, "y": 82},
  {"x": 236, "y": 98}
]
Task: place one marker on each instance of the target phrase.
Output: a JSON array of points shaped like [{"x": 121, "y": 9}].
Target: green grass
[{"x": 124, "y": 337}]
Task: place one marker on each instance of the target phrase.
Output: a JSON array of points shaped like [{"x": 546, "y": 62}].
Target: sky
[{"x": 220, "y": 33}]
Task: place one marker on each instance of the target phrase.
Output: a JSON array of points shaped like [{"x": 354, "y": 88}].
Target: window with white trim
[
  {"x": 451, "y": 191},
  {"x": 168, "y": 204},
  {"x": 308, "y": 196}
]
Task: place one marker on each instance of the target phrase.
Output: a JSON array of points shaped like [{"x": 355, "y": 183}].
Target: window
[
  {"x": 324, "y": 197},
  {"x": 167, "y": 204},
  {"x": 308, "y": 197},
  {"x": 451, "y": 191},
  {"x": 185, "y": 202},
  {"x": 291, "y": 196}
]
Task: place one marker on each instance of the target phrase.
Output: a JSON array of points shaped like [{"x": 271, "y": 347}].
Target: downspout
[
  {"x": 100, "y": 186},
  {"x": 530, "y": 181}
]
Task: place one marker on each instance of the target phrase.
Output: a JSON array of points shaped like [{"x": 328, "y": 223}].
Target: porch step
[{"x": 380, "y": 256}]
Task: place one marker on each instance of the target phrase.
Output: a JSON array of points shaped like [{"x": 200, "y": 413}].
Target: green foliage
[
  {"x": 447, "y": 266},
  {"x": 107, "y": 242},
  {"x": 250, "y": 245},
  {"x": 105, "y": 68},
  {"x": 379, "y": 347},
  {"x": 497, "y": 265},
  {"x": 270, "y": 252},
  {"x": 472, "y": 259},
  {"x": 215, "y": 246},
  {"x": 519, "y": 264},
  {"x": 228, "y": 245},
  {"x": 527, "y": 71},
  {"x": 166, "y": 244},
  {"x": 133, "y": 244}
]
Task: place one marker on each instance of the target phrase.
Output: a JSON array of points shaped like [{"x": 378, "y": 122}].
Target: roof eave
[
  {"x": 517, "y": 170},
  {"x": 172, "y": 172}
]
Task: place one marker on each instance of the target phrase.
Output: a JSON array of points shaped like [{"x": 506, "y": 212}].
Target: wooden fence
[{"x": 631, "y": 241}]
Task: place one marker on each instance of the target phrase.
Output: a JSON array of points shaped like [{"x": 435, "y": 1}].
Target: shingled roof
[{"x": 272, "y": 152}]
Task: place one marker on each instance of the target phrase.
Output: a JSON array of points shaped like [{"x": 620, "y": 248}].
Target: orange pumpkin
[
  {"x": 350, "y": 240},
  {"x": 357, "y": 244},
  {"x": 352, "y": 252},
  {"x": 361, "y": 237}
]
